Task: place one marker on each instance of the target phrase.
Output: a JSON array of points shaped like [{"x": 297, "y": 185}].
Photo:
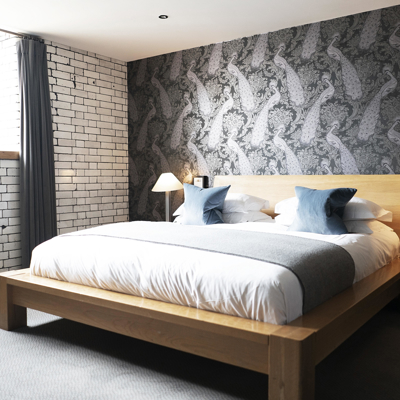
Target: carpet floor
[{"x": 57, "y": 359}]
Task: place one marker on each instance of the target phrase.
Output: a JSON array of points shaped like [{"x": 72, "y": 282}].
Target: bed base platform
[{"x": 288, "y": 354}]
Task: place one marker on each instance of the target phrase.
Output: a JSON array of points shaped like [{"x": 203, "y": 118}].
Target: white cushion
[
  {"x": 180, "y": 210},
  {"x": 356, "y": 209},
  {"x": 250, "y": 216},
  {"x": 237, "y": 218},
  {"x": 367, "y": 226},
  {"x": 358, "y": 227},
  {"x": 285, "y": 219},
  {"x": 287, "y": 206},
  {"x": 238, "y": 203},
  {"x": 359, "y": 209}
]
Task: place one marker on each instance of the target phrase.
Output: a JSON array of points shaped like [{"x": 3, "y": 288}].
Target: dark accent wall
[{"x": 316, "y": 99}]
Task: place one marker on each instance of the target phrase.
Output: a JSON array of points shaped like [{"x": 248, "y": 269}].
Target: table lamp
[{"x": 167, "y": 182}]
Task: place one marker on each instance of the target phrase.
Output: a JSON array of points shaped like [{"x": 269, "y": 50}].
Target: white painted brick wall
[
  {"x": 10, "y": 240},
  {"x": 89, "y": 107},
  {"x": 90, "y": 122}
]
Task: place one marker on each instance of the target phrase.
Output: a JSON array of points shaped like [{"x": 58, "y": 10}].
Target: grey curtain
[{"x": 37, "y": 182}]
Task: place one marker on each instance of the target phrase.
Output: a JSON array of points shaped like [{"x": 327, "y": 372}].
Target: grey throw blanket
[{"x": 323, "y": 269}]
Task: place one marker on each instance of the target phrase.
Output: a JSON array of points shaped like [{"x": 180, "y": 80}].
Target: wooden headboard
[{"x": 381, "y": 189}]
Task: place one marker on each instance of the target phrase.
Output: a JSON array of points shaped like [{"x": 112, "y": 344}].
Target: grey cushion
[
  {"x": 320, "y": 211},
  {"x": 203, "y": 206}
]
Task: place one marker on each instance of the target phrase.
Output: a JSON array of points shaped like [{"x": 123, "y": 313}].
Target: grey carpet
[{"x": 59, "y": 359}]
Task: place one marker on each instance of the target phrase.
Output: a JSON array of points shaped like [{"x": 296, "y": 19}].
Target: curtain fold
[{"x": 37, "y": 181}]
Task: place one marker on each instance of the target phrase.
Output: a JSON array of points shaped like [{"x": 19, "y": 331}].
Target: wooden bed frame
[{"x": 288, "y": 354}]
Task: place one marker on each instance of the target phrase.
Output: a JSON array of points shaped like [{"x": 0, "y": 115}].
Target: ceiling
[{"x": 130, "y": 29}]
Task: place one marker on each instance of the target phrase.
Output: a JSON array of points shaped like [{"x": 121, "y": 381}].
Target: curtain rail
[
  {"x": 12, "y": 33},
  {"x": 21, "y": 35}
]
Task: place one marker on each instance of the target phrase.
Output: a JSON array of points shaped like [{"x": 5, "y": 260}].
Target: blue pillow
[
  {"x": 203, "y": 206},
  {"x": 320, "y": 211}
]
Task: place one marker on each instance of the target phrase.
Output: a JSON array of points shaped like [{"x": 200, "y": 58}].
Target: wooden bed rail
[
  {"x": 338, "y": 318},
  {"x": 225, "y": 338},
  {"x": 288, "y": 354}
]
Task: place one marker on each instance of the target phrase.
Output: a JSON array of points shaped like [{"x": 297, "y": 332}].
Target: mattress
[{"x": 210, "y": 281}]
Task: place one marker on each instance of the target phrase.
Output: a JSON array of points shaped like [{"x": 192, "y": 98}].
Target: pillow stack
[
  {"x": 240, "y": 207},
  {"x": 236, "y": 208},
  {"x": 358, "y": 215}
]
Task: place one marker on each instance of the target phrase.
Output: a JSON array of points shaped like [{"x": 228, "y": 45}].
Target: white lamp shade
[{"x": 167, "y": 182}]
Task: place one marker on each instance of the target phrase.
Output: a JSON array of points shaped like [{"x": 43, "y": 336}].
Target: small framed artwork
[{"x": 200, "y": 181}]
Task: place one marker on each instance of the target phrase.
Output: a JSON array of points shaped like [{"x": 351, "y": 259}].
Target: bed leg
[
  {"x": 291, "y": 365},
  {"x": 11, "y": 316}
]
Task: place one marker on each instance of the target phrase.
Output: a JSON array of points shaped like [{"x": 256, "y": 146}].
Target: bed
[{"x": 288, "y": 354}]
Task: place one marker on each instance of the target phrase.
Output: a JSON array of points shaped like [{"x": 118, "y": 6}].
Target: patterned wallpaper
[{"x": 316, "y": 99}]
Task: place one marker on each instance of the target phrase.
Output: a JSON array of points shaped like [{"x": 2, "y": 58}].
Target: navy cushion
[
  {"x": 203, "y": 206},
  {"x": 320, "y": 211}
]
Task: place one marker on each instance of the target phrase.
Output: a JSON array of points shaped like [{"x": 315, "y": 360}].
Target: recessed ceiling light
[{"x": 163, "y": 16}]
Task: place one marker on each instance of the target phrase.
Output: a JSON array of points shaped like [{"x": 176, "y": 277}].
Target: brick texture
[
  {"x": 89, "y": 109},
  {"x": 10, "y": 240}
]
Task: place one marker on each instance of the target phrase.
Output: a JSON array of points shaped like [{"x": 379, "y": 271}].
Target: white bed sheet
[{"x": 217, "y": 282}]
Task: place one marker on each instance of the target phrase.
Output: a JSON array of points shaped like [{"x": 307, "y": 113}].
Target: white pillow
[
  {"x": 359, "y": 226},
  {"x": 240, "y": 202},
  {"x": 287, "y": 206},
  {"x": 237, "y": 218},
  {"x": 356, "y": 209},
  {"x": 366, "y": 226},
  {"x": 285, "y": 219},
  {"x": 236, "y": 202},
  {"x": 180, "y": 210},
  {"x": 352, "y": 226},
  {"x": 359, "y": 209},
  {"x": 250, "y": 216}
]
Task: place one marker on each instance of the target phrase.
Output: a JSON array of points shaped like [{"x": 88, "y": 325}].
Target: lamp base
[{"x": 167, "y": 207}]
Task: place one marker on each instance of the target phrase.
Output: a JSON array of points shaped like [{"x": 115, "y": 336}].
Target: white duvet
[{"x": 211, "y": 281}]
